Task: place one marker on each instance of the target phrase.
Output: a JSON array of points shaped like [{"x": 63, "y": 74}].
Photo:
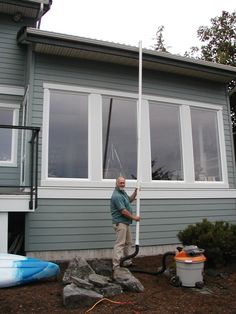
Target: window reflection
[
  {"x": 6, "y": 118},
  {"x": 119, "y": 137},
  {"x": 68, "y": 135},
  {"x": 166, "y": 153},
  {"x": 206, "y": 150}
]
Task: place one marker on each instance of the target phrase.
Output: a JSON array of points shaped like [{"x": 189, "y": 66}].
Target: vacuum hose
[
  {"x": 129, "y": 256},
  {"x": 161, "y": 271}
]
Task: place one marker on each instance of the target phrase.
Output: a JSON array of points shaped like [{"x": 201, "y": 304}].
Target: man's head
[{"x": 120, "y": 183}]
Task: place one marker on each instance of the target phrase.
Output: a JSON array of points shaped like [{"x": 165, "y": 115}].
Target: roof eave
[
  {"x": 27, "y": 8},
  {"x": 74, "y": 46}
]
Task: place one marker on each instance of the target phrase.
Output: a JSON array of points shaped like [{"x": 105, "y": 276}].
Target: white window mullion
[
  {"x": 45, "y": 131},
  {"x": 222, "y": 146},
  {"x": 187, "y": 144},
  {"x": 14, "y": 138},
  {"x": 95, "y": 137}
]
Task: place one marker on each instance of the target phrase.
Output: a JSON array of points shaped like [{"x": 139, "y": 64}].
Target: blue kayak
[{"x": 16, "y": 270}]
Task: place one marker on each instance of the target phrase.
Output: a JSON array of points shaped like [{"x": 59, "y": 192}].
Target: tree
[
  {"x": 220, "y": 41},
  {"x": 159, "y": 45},
  {"x": 219, "y": 46}
]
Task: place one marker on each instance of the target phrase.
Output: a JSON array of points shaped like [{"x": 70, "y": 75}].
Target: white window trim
[
  {"x": 95, "y": 180},
  {"x": 14, "y": 141}
]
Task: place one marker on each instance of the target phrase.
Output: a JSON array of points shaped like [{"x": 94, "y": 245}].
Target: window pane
[
  {"x": 68, "y": 135},
  {"x": 119, "y": 137},
  {"x": 207, "y": 164},
  {"x": 166, "y": 150},
  {"x": 6, "y": 117}
]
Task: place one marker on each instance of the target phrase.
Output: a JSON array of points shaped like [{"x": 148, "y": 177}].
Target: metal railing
[{"x": 24, "y": 174}]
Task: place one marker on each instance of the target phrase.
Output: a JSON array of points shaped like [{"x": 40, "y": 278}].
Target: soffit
[
  {"x": 26, "y": 8},
  {"x": 84, "y": 48}
]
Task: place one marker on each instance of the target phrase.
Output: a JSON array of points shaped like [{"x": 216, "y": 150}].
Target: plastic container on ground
[{"x": 189, "y": 269}]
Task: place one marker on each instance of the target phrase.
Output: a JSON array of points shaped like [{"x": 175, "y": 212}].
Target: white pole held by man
[{"x": 139, "y": 142}]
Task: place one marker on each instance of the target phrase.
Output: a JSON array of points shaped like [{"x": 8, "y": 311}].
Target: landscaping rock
[
  {"x": 98, "y": 280},
  {"x": 82, "y": 283},
  {"x": 74, "y": 297},
  {"x": 110, "y": 290},
  {"x": 86, "y": 286},
  {"x": 127, "y": 281},
  {"x": 78, "y": 267},
  {"x": 101, "y": 266}
]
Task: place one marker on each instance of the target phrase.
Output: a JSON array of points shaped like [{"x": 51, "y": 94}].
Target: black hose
[
  {"x": 161, "y": 271},
  {"x": 129, "y": 256}
]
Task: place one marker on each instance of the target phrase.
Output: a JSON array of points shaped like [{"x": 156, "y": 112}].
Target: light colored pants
[{"x": 123, "y": 243}]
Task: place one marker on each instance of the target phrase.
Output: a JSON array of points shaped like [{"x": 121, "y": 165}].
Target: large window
[
  {"x": 8, "y": 140},
  {"x": 68, "y": 135},
  {"x": 119, "y": 137},
  {"x": 90, "y": 136},
  {"x": 166, "y": 154},
  {"x": 206, "y": 150}
]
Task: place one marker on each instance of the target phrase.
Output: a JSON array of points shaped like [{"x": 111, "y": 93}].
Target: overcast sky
[{"x": 129, "y": 21}]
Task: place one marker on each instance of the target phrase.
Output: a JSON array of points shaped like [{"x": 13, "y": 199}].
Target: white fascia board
[
  {"x": 40, "y": 1},
  {"x": 15, "y": 203}
]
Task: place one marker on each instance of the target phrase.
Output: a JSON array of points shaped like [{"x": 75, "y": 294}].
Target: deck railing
[{"x": 22, "y": 176}]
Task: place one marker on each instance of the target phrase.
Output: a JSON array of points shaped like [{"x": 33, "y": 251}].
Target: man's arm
[{"x": 127, "y": 214}]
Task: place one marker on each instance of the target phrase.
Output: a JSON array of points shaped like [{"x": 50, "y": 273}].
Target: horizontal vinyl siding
[
  {"x": 86, "y": 224},
  {"x": 12, "y": 57},
  {"x": 107, "y": 76}
]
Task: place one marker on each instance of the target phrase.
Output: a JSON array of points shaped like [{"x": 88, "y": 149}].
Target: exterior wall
[
  {"x": 83, "y": 224},
  {"x": 91, "y": 74},
  {"x": 12, "y": 57},
  {"x": 86, "y": 224},
  {"x": 12, "y": 75}
]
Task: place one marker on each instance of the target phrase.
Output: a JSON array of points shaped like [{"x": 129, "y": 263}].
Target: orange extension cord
[{"x": 105, "y": 299}]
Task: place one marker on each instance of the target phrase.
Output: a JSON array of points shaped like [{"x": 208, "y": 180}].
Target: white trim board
[
  {"x": 105, "y": 193},
  {"x": 14, "y": 203}
]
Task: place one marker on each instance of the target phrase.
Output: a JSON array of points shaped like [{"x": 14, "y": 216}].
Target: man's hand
[
  {"x": 127, "y": 214},
  {"x": 136, "y": 218}
]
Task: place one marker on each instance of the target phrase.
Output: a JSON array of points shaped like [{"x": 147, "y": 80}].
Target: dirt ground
[{"x": 218, "y": 295}]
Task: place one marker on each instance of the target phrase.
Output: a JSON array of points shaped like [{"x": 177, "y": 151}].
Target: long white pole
[{"x": 139, "y": 142}]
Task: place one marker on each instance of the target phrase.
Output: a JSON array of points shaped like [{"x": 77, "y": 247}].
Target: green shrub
[{"x": 217, "y": 239}]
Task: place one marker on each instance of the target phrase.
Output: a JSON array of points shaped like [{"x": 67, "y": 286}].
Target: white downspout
[{"x": 40, "y": 14}]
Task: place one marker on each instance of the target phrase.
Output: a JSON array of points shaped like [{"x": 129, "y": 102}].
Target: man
[{"x": 122, "y": 217}]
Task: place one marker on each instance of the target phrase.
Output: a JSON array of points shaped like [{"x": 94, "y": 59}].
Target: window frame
[
  {"x": 14, "y": 139},
  {"x": 95, "y": 151}
]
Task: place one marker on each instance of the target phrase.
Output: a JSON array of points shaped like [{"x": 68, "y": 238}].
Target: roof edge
[{"x": 29, "y": 35}]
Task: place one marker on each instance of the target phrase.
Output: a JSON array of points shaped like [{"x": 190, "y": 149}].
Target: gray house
[{"x": 68, "y": 125}]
